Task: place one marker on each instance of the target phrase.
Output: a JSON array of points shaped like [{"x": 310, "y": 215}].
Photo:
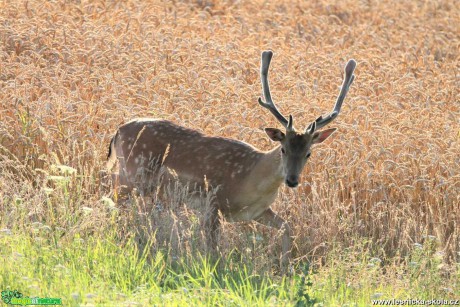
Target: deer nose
[{"x": 292, "y": 181}]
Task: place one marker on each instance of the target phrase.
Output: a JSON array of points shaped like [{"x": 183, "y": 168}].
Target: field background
[{"x": 378, "y": 212}]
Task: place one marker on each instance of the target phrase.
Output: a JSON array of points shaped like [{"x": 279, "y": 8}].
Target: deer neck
[
  {"x": 274, "y": 158},
  {"x": 270, "y": 170}
]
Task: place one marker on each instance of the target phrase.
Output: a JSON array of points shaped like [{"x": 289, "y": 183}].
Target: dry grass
[{"x": 72, "y": 71}]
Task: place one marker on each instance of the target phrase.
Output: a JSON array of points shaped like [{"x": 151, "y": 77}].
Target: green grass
[{"x": 102, "y": 272}]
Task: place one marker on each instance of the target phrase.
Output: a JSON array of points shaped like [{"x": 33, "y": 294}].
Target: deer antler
[
  {"x": 265, "y": 64},
  {"x": 347, "y": 81}
]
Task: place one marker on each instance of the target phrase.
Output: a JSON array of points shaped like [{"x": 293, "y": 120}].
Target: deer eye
[
  {"x": 308, "y": 155},
  {"x": 283, "y": 151}
]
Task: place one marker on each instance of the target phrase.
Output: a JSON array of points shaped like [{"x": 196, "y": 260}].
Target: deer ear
[
  {"x": 320, "y": 136},
  {"x": 275, "y": 134}
]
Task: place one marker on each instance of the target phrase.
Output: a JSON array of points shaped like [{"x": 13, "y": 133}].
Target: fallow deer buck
[{"x": 246, "y": 179}]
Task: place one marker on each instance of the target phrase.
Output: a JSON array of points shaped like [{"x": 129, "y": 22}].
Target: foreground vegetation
[
  {"x": 377, "y": 215},
  {"x": 100, "y": 271}
]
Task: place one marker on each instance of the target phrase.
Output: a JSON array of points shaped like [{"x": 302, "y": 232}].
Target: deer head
[{"x": 296, "y": 146}]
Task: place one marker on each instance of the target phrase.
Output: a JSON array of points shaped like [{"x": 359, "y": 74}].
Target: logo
[{"x": 16, "y": 298}]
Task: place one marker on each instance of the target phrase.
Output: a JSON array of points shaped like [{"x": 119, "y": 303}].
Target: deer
[{"x": 246, "y": 179}]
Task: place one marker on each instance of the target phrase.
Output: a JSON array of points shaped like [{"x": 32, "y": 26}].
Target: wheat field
[{"x": 386, "y": 184}]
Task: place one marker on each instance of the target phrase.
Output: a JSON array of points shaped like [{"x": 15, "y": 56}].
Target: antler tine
[
  {"x": 311, "y": 128},
  {"x": 347, "y": 81},
  {"x": 265, "y": 64}
]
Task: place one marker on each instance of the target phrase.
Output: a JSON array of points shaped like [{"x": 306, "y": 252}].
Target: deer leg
[
  {"x": 271, "y": 219},
  {"x": 212, "y": 225}
]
